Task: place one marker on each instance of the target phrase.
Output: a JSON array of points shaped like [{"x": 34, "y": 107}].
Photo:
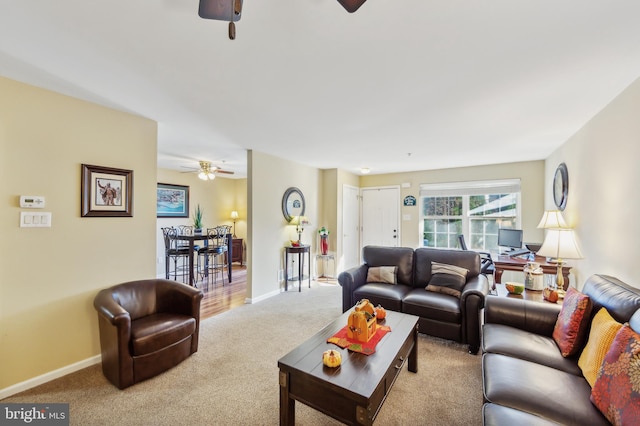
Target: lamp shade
[
  {"x": 234, "y": 215},
  {"x": 299, "y": 221},
  {"x": 560, "y": 244},
  {"x": 552, "y": 219}
]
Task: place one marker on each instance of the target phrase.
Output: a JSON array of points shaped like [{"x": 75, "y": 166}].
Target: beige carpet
[{"x": 233, "y": 378}]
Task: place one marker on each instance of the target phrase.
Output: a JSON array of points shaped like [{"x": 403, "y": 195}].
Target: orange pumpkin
[
  {"x": 331, "y": 358},
  {"x": 381, "y": 313}
]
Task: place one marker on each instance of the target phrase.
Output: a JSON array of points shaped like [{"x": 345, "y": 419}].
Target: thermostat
[{"x": 32, "y": 201}]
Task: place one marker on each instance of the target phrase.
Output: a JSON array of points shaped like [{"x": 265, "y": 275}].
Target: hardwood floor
[{"x": 218, "y": 298}]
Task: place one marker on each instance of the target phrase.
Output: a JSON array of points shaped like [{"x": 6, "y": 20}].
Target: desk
[
  {"x": 301, "y": 251},
  {"x": 203, "y": 237},
  {"x": 507, "y": 263}
]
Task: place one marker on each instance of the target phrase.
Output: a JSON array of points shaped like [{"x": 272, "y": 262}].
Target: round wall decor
[
  {"x": 561, "y": 186},
  {"x": 292, "y": 203}
]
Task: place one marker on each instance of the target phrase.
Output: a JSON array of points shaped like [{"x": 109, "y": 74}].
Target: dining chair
[
  {"x": 173, "y": 253},
  {"x": 212, "y": 257}
]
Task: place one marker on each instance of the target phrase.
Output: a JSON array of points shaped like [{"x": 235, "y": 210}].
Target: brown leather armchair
[{"x": 146, "y": 327}]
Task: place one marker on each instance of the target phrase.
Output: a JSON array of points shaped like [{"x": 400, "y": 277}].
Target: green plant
[
  {"x": 197, "y": 217},
  {"x": 323, "y": 231}
]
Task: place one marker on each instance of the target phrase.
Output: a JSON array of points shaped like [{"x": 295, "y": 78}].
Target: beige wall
[
  {"x": 530, "y": 173},
  {"x": 603, "y": 201},
  {"x": 268, "y": 231},
  {"x": 51, "y": 275},
  {"x": 217, "y": 199}
]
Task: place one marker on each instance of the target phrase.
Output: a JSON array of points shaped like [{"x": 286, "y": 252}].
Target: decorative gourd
[
  {"x": 331, "y": 358},
  {"x": 381, "y": 313}
]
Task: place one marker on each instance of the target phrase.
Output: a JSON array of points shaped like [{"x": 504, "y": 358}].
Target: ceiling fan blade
[
  {"x": 351, "y": 5},
  {"x": 221, "y": 10},
  {"x": 226, "y": 172}
]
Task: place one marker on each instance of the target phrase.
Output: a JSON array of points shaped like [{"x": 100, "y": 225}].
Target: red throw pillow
[
  {"x": 616, "y": 392},
  {"x": 573, "y": 321}
]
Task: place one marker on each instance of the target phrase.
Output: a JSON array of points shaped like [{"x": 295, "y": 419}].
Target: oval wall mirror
[{"x": 292, "y": 203}]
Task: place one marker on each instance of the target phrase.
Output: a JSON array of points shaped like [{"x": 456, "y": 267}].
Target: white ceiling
[{"x": 398, "y": 85}]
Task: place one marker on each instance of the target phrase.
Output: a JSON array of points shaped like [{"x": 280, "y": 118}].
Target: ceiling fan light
[
  {"x": 211, "y": 176},
  {"x": 202, "y": 175}
]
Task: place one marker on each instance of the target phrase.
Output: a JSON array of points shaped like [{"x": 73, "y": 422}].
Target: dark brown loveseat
[
  {"x": 526, "y": 380},
  {"x": 146, "y": 327},
  {"x": 441, "y": 315}
]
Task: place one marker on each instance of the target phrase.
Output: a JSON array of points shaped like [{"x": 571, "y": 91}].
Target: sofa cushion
[
  {"x": 157, "y": 331},
  {"x": 447, "y": 279},
  {"x": 514, "y": 342},
  {"x": 382, "y": 274},
  {"x": 431, "y": 305},
  {"x": 402, "y": 257},
  {"x": 469, "y": 260},
  {"x": 616, "y": 392},
  {"x": 603, "y": 330},
  {"x": 388, "y": 296},
  {"x": 573, "y": 322},
  {"x": 543, "y": 391},
  {"x": 499, "y": 415}
]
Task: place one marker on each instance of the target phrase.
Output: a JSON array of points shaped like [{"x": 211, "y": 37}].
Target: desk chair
[{"x": 486, "y": 262}]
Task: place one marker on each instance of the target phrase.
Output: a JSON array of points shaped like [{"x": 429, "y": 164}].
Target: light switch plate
[{"x": 35, "y": 219}]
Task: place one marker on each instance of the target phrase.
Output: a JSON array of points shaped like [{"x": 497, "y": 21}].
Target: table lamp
[
  {"x": 300, "y": 222},
  {"x": 234, "y": 216},
  {"x": 560, "y": 243}
]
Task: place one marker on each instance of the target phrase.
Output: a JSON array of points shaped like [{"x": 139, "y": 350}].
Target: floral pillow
[
  {"x": 573, "y": 321},
  {"x": 616, "y": 392}
]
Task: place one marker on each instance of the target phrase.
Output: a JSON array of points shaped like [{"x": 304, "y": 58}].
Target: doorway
[{"x": 381, "y": 216}]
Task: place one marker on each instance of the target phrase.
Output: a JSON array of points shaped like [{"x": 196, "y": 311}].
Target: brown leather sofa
[
  {"x": 525, "y": 378},
  {"x": 146, "y": 327},
  {"x": 441, "y": 315}
]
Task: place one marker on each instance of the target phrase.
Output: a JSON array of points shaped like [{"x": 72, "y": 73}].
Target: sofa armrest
[
  {"x": 472, "y": 301},
  {"x": 350, "y": 280},
  {"x": 535, "y": 317}
]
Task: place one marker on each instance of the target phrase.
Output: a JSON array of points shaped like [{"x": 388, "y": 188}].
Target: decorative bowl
[{"x": 514, "y": 288}]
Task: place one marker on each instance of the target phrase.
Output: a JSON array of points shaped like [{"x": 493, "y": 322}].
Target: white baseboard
[
  {"x": 47, "y": 377},
  {"x": 261, "y": 298}
]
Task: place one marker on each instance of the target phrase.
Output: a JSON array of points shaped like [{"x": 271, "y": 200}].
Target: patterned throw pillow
[
  {"x": 603, "y": 330},
  {"x": 572, "y": 323},
  {"x": 616, "y": 392},
  {"x": 382, "y": 274},
  {"x": 447, "y": 279}
]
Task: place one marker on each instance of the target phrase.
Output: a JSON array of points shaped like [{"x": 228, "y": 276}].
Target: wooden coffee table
[{"x": 354, "y": 392}]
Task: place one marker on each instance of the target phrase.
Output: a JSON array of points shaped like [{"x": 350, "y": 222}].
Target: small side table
[
  {"x": 301, "y": 251},
  {"x": 325, "y": 258}
]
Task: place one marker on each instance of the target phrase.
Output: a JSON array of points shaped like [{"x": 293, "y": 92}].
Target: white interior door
[
  {"x": 350, "y": 227},
  {"x": 381, "y": 216}
]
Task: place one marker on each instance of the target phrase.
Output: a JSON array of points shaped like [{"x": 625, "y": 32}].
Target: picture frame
[
  {"x": 106, "y": 192},
  {"x": 172, "y": 200}
]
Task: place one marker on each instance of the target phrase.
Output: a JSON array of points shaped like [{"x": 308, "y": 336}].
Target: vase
[{"x": 324, "y": 244}]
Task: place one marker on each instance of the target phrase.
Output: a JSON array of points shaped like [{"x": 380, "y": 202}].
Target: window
[{"x": 474, "y": 209}]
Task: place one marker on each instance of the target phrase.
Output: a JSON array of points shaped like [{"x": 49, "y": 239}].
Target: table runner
[{"x": 367, "y": 348}]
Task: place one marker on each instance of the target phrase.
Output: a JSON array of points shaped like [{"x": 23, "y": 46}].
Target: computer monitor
[{"x": 511, "y": 238}]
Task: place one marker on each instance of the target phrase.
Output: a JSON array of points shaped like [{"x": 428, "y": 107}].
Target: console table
[
  {"x": 507, "y": 263},
  {"x": 300, "y": 251},
  {"x": 237, "y": 252}
]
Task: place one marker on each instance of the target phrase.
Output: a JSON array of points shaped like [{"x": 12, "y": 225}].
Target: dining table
[{"x": 191, "y": 239}]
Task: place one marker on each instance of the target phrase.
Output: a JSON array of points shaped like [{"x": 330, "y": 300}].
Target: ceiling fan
[
  {"x": 230, "y": 10},
  {"x": 208, "y": 172}
]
